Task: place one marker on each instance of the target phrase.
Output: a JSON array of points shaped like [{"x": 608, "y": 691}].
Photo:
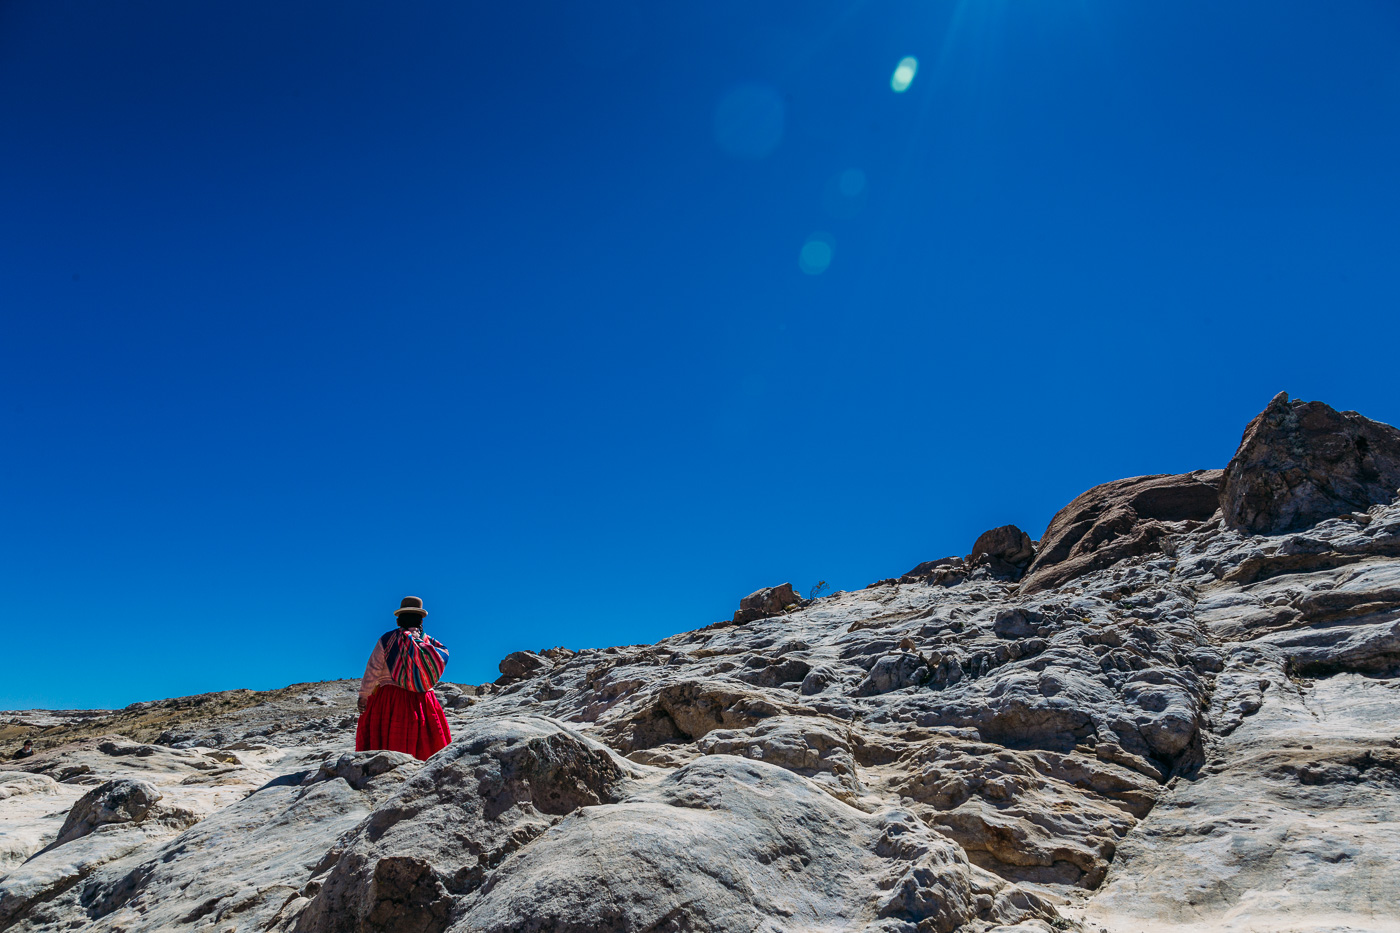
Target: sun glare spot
[
  {"x": 843, "y": 195},
  {"x": 815, "y": 255},
  {"x": 852, "y": 182},
  {"x": 749, "y": 121},
  {"x": 904, "y": 74}
]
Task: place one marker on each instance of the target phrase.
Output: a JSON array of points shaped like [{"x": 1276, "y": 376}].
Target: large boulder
[
  {"x": 1302, "y": 462},
  {"x": 769, "y": 601},
  {"x": 1006, "y": 551},
  {"x": 520, "y": 664},
  {"x": 1117, "y": 520},
  {"x": 120, "y": 801}
]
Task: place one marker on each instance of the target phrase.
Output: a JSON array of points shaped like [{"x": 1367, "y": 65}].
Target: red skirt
[{"x": 402, "y": 721}]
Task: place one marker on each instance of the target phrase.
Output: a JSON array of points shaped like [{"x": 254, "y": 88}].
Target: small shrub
[{"x": 817, "y": 590}]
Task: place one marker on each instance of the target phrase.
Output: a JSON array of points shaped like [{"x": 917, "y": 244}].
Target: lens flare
[
  {"x": 844, "y": 194},
  {"x": 904, "y": 74},
  {"x": 815, "y": 255},
  {"x": 749, "y": 121}
]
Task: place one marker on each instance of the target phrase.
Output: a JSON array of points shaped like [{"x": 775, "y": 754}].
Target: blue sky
[{"x": 516, "y": 307}]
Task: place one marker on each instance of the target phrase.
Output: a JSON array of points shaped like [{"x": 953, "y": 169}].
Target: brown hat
[{"x": 411, "y": 604}]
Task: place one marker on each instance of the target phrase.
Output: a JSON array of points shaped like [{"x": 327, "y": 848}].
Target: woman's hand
[{"x": 360, "y": 704}]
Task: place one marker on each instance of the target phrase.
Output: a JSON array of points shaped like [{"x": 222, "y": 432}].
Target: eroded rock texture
[{"x": 1167, "y": 723}]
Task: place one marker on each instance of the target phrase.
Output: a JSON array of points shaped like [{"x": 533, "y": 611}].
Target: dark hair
[{"x": 411, "y": 619}]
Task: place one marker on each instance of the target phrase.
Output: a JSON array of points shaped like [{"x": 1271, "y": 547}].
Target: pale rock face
[
  {"x": 1168, "y": 724},
  {"x": 33, "y": 808},
  {"x": 17, "y": 784},
  {"x": 562, "y": 833},
  {"x": 807, "y": 745},
  {"x": 1295, "y": 825},
  {"x": 894, "y": 672},
  {"x": 245, "y": 863},
  {"x": 754, "y": 848},
  {"x": 1030, "y": 816}
]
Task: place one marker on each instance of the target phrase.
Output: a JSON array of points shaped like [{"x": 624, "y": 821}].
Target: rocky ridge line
[{"x": 1155, "y": 716}]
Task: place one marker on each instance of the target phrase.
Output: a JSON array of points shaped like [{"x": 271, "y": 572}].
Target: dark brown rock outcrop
[
  {"x": 769, "y": 601},
  {"x": 946, "y": 571},
  {"x": 520, "y": 664},
  {"x": 1006, "y": 551},
  {"x": 1118, "y": 520},
  {"x": 1302, "y": 462}
]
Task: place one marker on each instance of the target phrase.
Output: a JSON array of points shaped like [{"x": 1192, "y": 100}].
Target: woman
[{"x": 398, "y": 709}]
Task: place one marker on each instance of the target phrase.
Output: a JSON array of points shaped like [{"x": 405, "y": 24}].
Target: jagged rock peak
[{"x": 1300, "y": 463}]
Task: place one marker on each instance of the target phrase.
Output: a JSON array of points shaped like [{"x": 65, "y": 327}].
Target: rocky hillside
[{"x": 1179, "y": 709}]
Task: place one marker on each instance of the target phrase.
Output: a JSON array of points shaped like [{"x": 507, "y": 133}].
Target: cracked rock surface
[{"x": 1151, "y": 718}]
